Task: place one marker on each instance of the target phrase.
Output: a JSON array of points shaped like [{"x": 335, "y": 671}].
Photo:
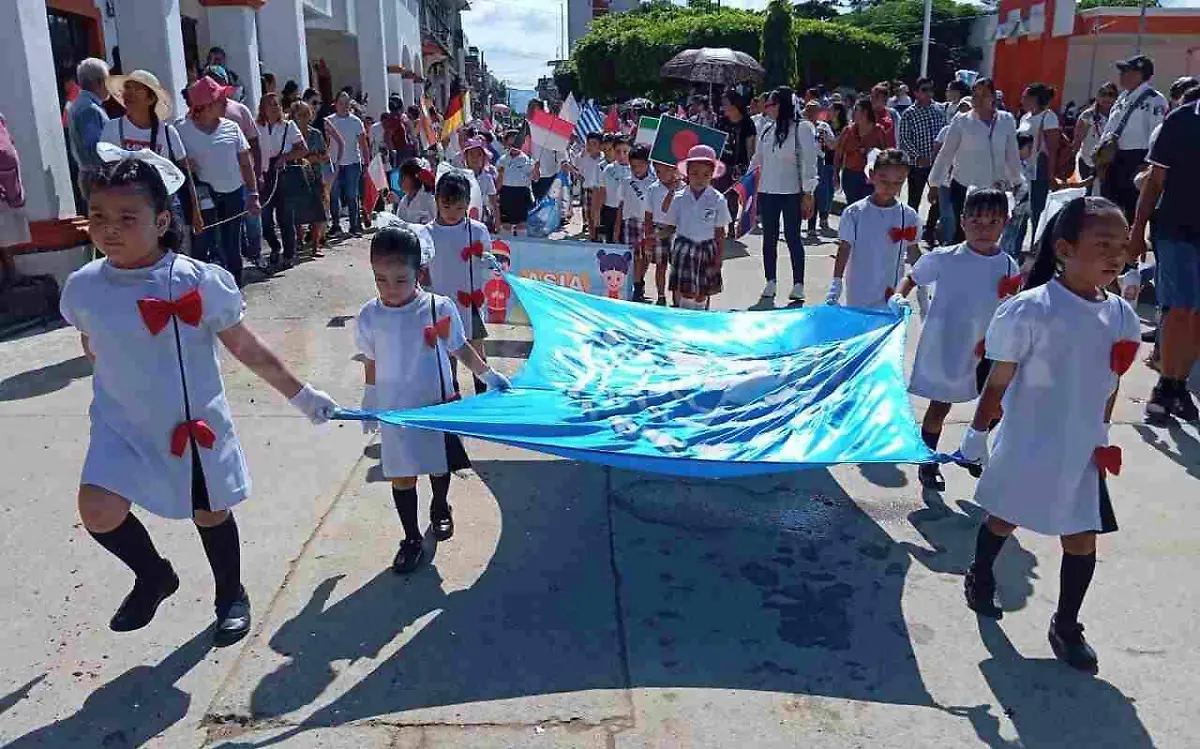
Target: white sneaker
[
  {"x": 769, "y": 290},
  {"x": 797, "y": 294}
]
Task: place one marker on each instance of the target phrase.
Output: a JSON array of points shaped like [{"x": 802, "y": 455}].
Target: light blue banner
[
  {"x": 693, "y": 393},
  {"x": 590, "y": 267}
]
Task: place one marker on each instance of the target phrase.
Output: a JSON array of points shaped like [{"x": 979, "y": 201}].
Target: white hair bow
[{"x": 171, "y": 176}]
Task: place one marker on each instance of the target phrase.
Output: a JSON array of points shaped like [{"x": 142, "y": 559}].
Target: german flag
[{"x": 457, "y": 112}]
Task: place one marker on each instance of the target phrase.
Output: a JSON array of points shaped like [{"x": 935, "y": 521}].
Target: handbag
[
  {"x": 456, "y": 454},
  {"x": 1106, "y": 152}
]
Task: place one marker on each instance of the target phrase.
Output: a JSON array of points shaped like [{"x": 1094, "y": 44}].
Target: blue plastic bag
[{"x": 545, "y": 218}]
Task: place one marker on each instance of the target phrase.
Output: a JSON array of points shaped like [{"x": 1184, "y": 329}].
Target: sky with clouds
[{"x": 517, "y": 37}]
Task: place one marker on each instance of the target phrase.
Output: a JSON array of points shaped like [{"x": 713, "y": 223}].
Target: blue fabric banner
[{"x": 696, "y": 393}]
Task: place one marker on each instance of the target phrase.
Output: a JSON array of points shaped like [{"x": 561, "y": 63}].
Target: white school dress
[
  {"x": 876, "y": 262},
  {"x": 140, "y": 446},
  {"x": 406, "y": 374},
  {"x": 970, "y": 288},
  {"x": 457, "y": 270},
  {"x": 1042, "y": 474},
  {"x": 417, "y": 209}
]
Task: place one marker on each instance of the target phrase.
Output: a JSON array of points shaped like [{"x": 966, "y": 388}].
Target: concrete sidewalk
[{"x": 576, "y": 606}]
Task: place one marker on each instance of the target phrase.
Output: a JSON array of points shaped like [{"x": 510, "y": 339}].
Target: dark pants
[
  {"x": 278, "y": 212},
  {"x": 607, "y": 231},
  {"x": 770, "y": 206},
  {"x": 541, "y": 187},
  {"x": 918, "y": 178},
  {"x": 1118, "y": 187},
  {"x": 823, "y": 200},
  {"x": 958, "y": 195},
  {"x": 223, "y": 244},
  {"x": 346, "y": 188},
  {"x": 855, "y": 186},
  {"x": 1039, "y": 191}
]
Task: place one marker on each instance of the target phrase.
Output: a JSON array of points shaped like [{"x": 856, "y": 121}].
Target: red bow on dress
[
  {"x": 1009, "y": 285},
  {"x": 903, "y": 233},
  {"x": 475, "y": 248},
  {"x": 1122, "y": 356},
  {"x": 981, "y": 348},
  {"x": 197, "y": 429},
  {"x": 156, "y": 313},
  {"x": 471, "y": 298},
  {"x": 887, "y": 293},
  {"x": 1108, "y": 460},
  {"x": 434, "y": 332}
]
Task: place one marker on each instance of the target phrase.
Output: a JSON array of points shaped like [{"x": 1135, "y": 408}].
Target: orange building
[{"x": 1074, "y": 51}]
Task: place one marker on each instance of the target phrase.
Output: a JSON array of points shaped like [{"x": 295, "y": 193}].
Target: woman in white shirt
[
  {"x": 1042, "y": 125},
  {"x": 787, "y": 161},
  {"x": 981, "y": 148},
  {"x": 224, "y": 176},
  {"x": 281, "y": 144}
]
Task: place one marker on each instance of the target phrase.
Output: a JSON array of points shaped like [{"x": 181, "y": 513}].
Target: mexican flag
[
  {"x": 675, "y": 137},
  {"x": 647, "y": 127}
]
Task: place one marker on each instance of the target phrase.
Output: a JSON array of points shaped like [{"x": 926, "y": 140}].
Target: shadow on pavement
[
  {"x": 1187, "y": 447},
  {"x": 45, "y": 380},
  {"x": 131, "y": 709},
  {"x": 20, "y": 693},
  {"x": 1049, "y": 704}
]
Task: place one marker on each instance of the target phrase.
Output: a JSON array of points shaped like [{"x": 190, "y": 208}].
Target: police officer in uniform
[{"x": 1133, "y": 141}]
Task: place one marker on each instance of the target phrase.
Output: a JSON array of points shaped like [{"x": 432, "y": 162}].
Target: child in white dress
[
  {"x": 875, "y": 236},
  {"x": 408, "y": 336},
  {"x": 1059, "y": 349},
  {"x": 415, "y": 203},
  {"x": 162, "y": 436},
  {"x": 972, "y": 279},
  {"x": 457, "y": 270}
]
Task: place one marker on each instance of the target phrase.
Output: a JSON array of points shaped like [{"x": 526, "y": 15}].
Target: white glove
[
  {"x": 899, "y": 305},
  {"x": 494, "y": 380},
  {"x": 314, "y": 404},
  {"x": 1131, "y": 284},
  {"x": 974, "y": 448},
  {"x": 370, "y": 402},
  {"x": 835, "y": 292}
]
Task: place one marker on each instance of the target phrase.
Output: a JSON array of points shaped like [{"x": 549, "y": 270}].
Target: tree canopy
[
  {"x": 622, "y": 53},
  {"x": 904, "y": 19},
  {"x": 778, "y": 55}
]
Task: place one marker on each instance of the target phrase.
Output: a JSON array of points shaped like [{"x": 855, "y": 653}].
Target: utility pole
[
  {"x": 925, "y": 38},
  {"x": 1141, "y": 27},
  {"x": 1097, "y": 27}
]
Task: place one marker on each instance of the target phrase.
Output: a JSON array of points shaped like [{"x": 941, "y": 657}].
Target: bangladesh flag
[{"x": 675, "y": 137}]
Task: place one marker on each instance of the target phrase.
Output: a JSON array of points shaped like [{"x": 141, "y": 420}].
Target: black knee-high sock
[
  {"x": 987, "y": 548},
  {"x": 931, "y": 439},
  {"x": 480, "y": 385},
  {"x": 224, "y": 552},
  {"x": 441, "y": 491},
  {"x": 1074, "y": 577},
  {"x": 406, "y": 506},
  {"x": 130, "y": 543}
]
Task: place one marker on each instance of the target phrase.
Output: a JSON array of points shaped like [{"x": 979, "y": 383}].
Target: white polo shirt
[
  {"x": 590, "y": 167},
  {"x": 697, "y": 218},
  {"x": 518, "y": 170},
  {"x": 1148, "y": 115},
  {"x": 613, "y": 181},
  {"x": 634, "y": 196},
  {"x": 658, "y": 193}
]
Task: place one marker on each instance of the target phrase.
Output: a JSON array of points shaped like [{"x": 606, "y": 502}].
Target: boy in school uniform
[
  {"x": 638, "y": 233},
  {"x": 588, "y": 166},
  {"x": 608, "y": 194},
  {"x": 667, "y": 182}
]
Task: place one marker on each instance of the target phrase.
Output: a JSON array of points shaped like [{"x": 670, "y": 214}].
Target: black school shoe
[
  {"x": 409, "y": 557},
  {"x": 930, "y": 476},
  {"x": 442, "y": 524},
  {"x": 981, "y": 596},
  {"x": 233, "y": 621},
  {"x": 1071, "y": 648},
  {"x": 1168, "y": 400},
  {"x": 139, "y": 607}
]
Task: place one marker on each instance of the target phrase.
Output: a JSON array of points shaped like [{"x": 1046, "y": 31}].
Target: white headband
[{"x": 172, "y": 178}]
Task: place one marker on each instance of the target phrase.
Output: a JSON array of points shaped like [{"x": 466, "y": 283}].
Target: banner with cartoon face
[{"x": 590, "y": 267}]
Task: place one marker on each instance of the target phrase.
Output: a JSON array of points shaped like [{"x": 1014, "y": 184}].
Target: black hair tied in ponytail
[
  {"x": 138, "y": 175},
  {"x": 1066, "y": 225}
]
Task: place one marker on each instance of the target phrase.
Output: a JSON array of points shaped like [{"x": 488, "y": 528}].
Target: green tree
[
  {"x": 904, "y": 19},
  {"x": 704, "y": 5},
  {"x": 816, "y": 10},
  {"x": 778, "y": 54}
]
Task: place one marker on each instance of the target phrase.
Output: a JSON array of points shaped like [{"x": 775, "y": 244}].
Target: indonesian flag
[
  {"x": 612, "y": 123},
  {"x": 374, "y": 182},
  {"x": 570, "y": 110},
  {"x": 550, "y": 132}
]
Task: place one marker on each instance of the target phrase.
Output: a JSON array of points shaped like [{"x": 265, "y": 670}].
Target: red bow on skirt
[
  {"x": 903, "y": 233},
  {"x": 981, "y": 348},
  {"x": 475, "y": 248},
  {"x": 1108, "y": 460},
  {"x": 1009, "y": 285},
  {"x": 1122, "y": 356},
  {"x": 471, "y": 298},
  {"x": 156, "y": 313},
  {"x": 197, "y": 429},
  {"x": 434, "y": 332}
]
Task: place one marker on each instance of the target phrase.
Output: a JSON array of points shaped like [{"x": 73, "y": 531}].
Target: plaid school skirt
[
  {"x": 633, "y": 235},
  {"x": 694, "y": 271},
  {"x": 664, "y": 237}
]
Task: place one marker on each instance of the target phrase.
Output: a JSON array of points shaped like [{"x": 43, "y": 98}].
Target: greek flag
[{"x": 591, "y": 120}]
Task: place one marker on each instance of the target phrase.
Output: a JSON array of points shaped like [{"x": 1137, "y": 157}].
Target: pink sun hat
[{"x": 702, "y": 153}]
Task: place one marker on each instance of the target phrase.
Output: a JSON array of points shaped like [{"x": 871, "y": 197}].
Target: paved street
[{"x": 576, "y": 606}]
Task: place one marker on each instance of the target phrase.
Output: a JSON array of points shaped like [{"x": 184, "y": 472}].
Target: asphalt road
[{"x": 576, "y": 606}]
